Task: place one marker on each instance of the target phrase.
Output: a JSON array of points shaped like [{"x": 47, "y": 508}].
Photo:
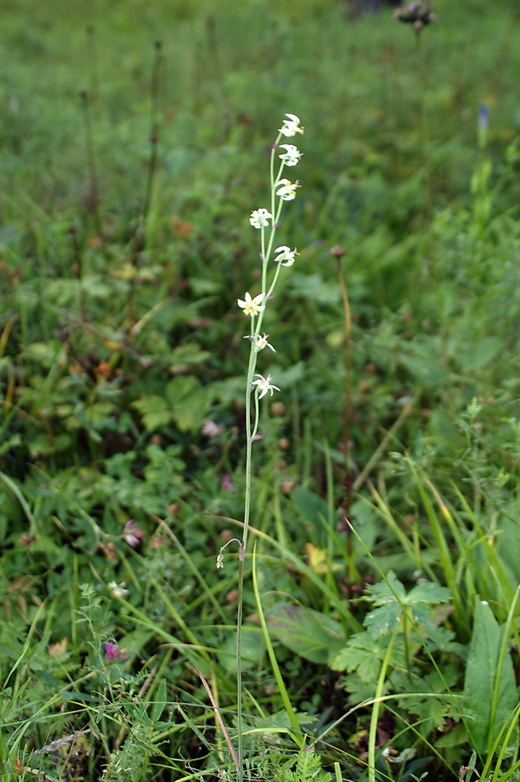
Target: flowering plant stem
[{"x": 267, "y": 222}]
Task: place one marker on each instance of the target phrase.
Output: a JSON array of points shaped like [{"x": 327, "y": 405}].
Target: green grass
[{"x": 120, "y": 265}]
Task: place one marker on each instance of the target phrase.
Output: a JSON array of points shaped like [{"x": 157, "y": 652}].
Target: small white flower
[
  {"x": 260, "y": 342},
  {"x": 264, "y": 385},
  {"x": 291, "y": 126},
  {"x": 118, "y": 590},
  {"x": 260, "y": 218},
  {"x": 286, "y": 189},
  {"x": 291, "y": 156},
  {"x": 251, "y": 306},
  {"x": 285, "y": 255}
]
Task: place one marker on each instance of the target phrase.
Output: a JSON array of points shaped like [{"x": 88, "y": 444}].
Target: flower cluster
[
  {"x": 282, "y": 189},
  {"x": 112, "y": 651}
]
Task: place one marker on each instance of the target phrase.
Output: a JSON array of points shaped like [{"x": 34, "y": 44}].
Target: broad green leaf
[
  {"x": 427, "y": 369},
  {"x": 484, "y": 677},
  {"x": 308, "y": 633},
  {"x": 481, "y": 353}
]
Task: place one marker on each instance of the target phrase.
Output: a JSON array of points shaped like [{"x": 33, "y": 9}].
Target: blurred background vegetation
[{"x": 134, "y": 142}]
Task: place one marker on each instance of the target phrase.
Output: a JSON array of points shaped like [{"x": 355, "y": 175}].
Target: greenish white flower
[
  {"x": 286, "y": 189},
  {"x": 260, "y": 342},
  {"x": 285, "y": 256},
  {"x": 251, "y": 306},
  {"x": 260, "y": 218},
  {"x": 118, "y": 590},
  {"x": 263, "y": 384},
  {"x": 291, "y": 156},
  {"x": 291, "y": 126}
]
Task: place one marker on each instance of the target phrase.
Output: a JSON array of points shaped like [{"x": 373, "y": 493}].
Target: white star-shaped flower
[
  {"x": 263, "y": 384},
  {"x": 285, "y": 256},
  {"x": 251, "y": 306},
  {"x": 260, "y": 218},
  {"x": 291, "y": 156},
  {"x": 291, "y": 126},
  {"x": 286, "y": 189},
  {"x": 260, "y": 342}
]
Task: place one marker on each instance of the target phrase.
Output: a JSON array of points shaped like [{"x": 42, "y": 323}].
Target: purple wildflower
[
  {"x": 111, "y": 651},
  {"x": 133, "y": 533}
]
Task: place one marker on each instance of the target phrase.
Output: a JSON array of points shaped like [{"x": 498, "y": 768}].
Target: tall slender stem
[
  {"x": 252, "y": 415},
  {"x": 93, "y": 195}
]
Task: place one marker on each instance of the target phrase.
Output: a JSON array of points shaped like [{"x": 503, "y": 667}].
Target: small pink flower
[
  {"x": 210, "y": 429},
  {"x": 133, "y": 533},
  {"x": 111, "y": 651},
  {"x": 226, "y": 482}
]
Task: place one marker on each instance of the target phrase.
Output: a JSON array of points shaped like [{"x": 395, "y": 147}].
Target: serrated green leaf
[
  {"x": 189, "y": 413},
  {"x": 428, "y": 593},
  {"x": 154, "y": 410},
  {"x": 363, "y": 654},
  {"x": 388, "y": 591},
  {"x": 308, "y": 769},
  {"x": 181, "y": 387},
  {"x": 383, "y": 620}
]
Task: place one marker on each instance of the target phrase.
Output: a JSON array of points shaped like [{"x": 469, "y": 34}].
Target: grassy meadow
[{"x": 380, "y": 603}]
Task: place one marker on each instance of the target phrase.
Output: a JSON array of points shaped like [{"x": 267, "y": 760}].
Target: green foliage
[
  {"x": 490, "y": 696},
  {"x": 122, "y": 366},
  {"x": 185, "y": 403},
  {"x": 307, "y": 768}
]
